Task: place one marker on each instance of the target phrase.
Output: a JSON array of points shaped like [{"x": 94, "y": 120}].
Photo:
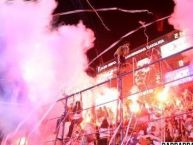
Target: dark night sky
[{"x": 118, "y": 22}]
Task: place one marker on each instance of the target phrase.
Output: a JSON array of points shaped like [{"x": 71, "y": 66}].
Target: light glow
[
  {"x": 163, "y": 96},
  {"x": 134, "y": 107},
  {"x": 22, "y": 141}
]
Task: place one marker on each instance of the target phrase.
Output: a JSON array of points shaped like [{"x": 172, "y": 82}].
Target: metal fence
[{"x": 123, "y": 121}]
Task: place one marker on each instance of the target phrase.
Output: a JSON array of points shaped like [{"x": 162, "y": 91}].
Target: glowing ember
[
  {"x": 134, "y": 107},
  {"x": 163, "y": 96}
]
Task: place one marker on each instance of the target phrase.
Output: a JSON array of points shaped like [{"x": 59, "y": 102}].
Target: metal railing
[{"x": 125, "y": 74}]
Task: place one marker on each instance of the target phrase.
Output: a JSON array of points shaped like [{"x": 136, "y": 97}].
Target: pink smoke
[
  {"x": 44, "y": 60},
  {"x": 37, "y": 62},
  {"x": 181, "y": 18}
]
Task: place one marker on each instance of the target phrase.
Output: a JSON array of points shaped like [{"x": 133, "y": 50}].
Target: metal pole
[
  {"x": 164, "y": 126},
  {"x": 119, "y": 85},
  {"x": 160, "y": 72},
  {"x": 117, "y": 113},
  {"x": 64, "y": 119},
  {"x": 62, "y": 123}
]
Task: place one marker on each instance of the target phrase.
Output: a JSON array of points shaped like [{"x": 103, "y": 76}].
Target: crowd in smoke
[{"x": 145, "y": 126}]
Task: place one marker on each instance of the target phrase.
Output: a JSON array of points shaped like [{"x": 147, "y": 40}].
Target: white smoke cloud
[
  {"x": 181, "y": 18},
  {"x": 38, "y": 63}
]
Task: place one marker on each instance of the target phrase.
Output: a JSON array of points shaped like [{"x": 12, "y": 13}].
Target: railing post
[{"x": 119, "y": 87}]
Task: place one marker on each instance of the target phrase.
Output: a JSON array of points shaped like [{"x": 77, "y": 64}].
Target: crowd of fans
[{"x": 150, "y": 126}]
